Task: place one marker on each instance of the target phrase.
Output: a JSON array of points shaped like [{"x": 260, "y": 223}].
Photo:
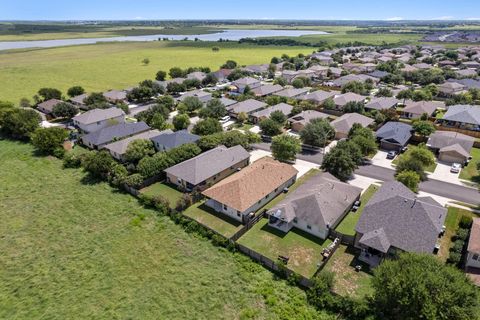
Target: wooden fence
[
  {"x": 344, "y": 238},
  {"x": 474, "y": 134},
  {"x": 325, "y": 260},
  {"x": 248, "y": 226}
]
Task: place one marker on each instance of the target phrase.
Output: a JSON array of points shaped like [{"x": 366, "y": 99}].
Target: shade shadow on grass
[
  {"x": 355, "y": 262},
  {"x": 218, "y": 215},
  {"x": 294, "y": 230}
]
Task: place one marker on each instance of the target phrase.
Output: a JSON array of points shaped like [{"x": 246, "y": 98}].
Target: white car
[{"x": 456, "y": 167}]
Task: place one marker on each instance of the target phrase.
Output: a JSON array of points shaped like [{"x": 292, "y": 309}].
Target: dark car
[{"x": 391, "y": 155}]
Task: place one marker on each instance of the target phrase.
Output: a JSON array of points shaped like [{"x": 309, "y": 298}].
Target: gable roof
[
  {"x": 115, "y": 95},
  {"x": 267, "y": 89},
  {"x": 245, "y": 81},
  {"x": 116, "y": 131},
  {"x": 345, "y": 98},
  {"x": 442, "y": 139},
  {"x": 208, "y": 164},
  {"x": 96, "y": 115},
  {"x": 247, "y": 106},
  {"x": 421, "y": 107},
  {"x": 463, "y": 113},
  {"x": 243, "y": 189},
  {"x": 319, "y": 96},
  {"x": 395, "y": 131},
  {"x": 227, "y": 102},
  {"x": 175, "y": 139},
  {"x": 291, "y": 92},
  {"x": 394, "y": 216},
  {"x": 304, "y": 117},
  {"x": 381, "y": 103},
  {"x": 474, "y": 241},
  {"x": 345, "y": 122},
  {"x": 195, "y": 93},
  {"x": 120, "y": 147},
  {"x": 49, "y": 104},
  {"x": 79, "y": 99},
  {"x": 321, "y": 201},
  {"x": 284, "y": 108}
]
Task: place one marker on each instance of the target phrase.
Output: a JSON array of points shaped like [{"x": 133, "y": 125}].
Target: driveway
[
  {"x": 442, "y": 173},
  {"x": 380, "y": 160}
]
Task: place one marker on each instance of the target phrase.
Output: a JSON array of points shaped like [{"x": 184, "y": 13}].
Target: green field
[
  {"x": 70, "y": 250},
  {"x": 165, "y": 190},
  {"x": 117, "y": 65},
  {"x": 470, "y": 172}
]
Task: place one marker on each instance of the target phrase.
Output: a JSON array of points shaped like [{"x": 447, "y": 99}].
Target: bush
[
  {"x": 454, "y": 257},
  {"x": 72, "y": 160},
  {"x": 462, "y": 234},
  {"x": 134, "y": 180},
  {"x": 465, "y": 222},
  {"x": 161, "y": 204},
  {"x": 458, "y": 246},
  {"x": 184, "y": 202},
  {"x": 219, "y": 241}
]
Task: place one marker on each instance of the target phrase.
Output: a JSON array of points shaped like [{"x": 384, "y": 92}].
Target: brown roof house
[
  {"x": 208, "y": 168},
  {"x": 382, "y": 103},
  {"x": 284, "y": 108},
  {"x": 448, "y": 89},
  {"x": 319, "y": 97},
  {"x": 395, "y": 220},
  {"x": 415, "y": 109},
  {"x": 451, "y": 147},
  {"x": 342, "y": 99},
  {"x": 315, "y": 207},
  {"x": 246, "y": 191},
  {"x": 344, "y": 123},
  {"x": 249, "y": 107},
  {"x": 473, "y": 249},
  {"x": 298, "y": 121},
  {"x": 47, "y": 106},
  {"x": 115, "y": 96},
  {"x": 291, "y": 92}
]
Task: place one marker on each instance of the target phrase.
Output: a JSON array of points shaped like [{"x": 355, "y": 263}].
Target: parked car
[
  {"x": 391, "y": 155},
  {"x": 456, "y": 167},
  {"x": 356, "y": 205}
]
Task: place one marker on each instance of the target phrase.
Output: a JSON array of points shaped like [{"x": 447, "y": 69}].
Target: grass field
[
  {"x": 470, "y": 172},
  {"x": 69, "y": 249},
  {"x": 167, "y": 191},
  {"x": 106, "y": 66}
]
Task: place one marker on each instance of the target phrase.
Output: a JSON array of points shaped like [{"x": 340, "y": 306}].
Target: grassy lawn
[
  {"x": 244, "y": 127},
  {"x": 349, "y": 282},
  {"x": 104, "y": 66},
  {"x": 70, "y": 247},
  {"x": 303, "y": 249},
  {"x": 347, "y": 225},
  {"x": 451, "y": 223},
  {"x": 216, "y": 221},
  {"x": 165, "y": 190},
  {"x": 470, "y": 172}
]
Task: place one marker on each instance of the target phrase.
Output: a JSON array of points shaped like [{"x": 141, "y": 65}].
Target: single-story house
[
  {"x": 266, "y": 90},
  {"x": 222, "y": 74},
  {"x": 246, "y": 191},
  {"x": 395, "y": 220},
  {"x": 203, "y": 96},
  {"x": 415, "y": 109},
  {"x": 473, "y": 249},
  {"x": 378, "y": 74},
  {"x": 452, "y": 147},
  {"x": 319, "y": 71},
  {"x": 284, "y": 108},
  {"x": 342, "y": 99},
  {"x": 47, "y": 106},
  {"x": 97, "y": 119},
  {"x": 170, "y": 140},
  {"x": 242, "y": 83},
  {"x": 197, "y": 75},
  {"x": 316, "y": 206},
  {"x": 394, "y": 135},
  {"x": 344, "y": 123},
  {"x": 450, "y": 88},
  {"x": 79, "y": 100},
  {"x": 382, "y": 103},
  {"x": 467, "y": 82},
  {"x": 118, "y": 149},
  {"x": 227, "y": 102},
  {"x": 115, "y": 96},
  {"x": 462, "y": 116},
  {"x": 340, "y": 82},
  {"x": 206, "y": 169},
  {"x": 291, "y": 92},
  {"x": 466, "y": 73},
  {"x": 257, "y": 68},
  {"x": 100, "y": 138},
  {"x": 298, "y": 121},
  {"x": 319, "y": 97},
  {"x": 248, "y": 106}
]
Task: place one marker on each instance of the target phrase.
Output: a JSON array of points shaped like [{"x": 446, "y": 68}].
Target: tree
[
  {"x": 148, "y": 115},
  {"x": 213, "y": 109},
  {"x": 410, "y": 179},
  {"x": 270, "y": 127},
  {"x": 354, "y": 107},
  {"x": 175, "y": 88},
  {"x": 161, "y": 75},
  {"x": 154, "y": 86},
  {"x": 146, "y": 61},
  {"x": 355, "y": 87},
  {"x": 422, "y": 287},
  {"x": 140, "y": 94},
  {"x": 417, "y": 159},
  {"x": 342, "y": 160},
  {"x": 134, "y": 180},
  {"x": 329, "y": 104},
  {"x": 64, "y": 110},
  {"x": 207, "y": 126},
  {"x": 98, "y": 163},
  {"x": 278, "y": 117},
  {"x": 384, "y": 92},
  {"x": 209, "y": 79},
  {"x": 181, "y": 122},
  {"x": 49, "y": 140},
  {"x": 215, "y": 49},
  {"x": 95, "y": 98},
  {"x": 192, "y": 83},
  {"x": 152, "y": 166},
  {"x": 423, "y": 128},
  {"x": 24, "y": 103},
  {"x": 184, "y": 152},
  {"x": 50, "y": 93},
  {"x": 75, "y": 91},
  {"x": 230, "y": 64},
  {"x": 158, "y": 122},
  {"x": 242, "y": 117},
  {"x": 285, "y": 147},
  {"x": 19, "y": 123},
  {"x": 192, "y": 103},
  {"x": 317, "y": 133},
  {"x": 139, "y": 149},
  {"x": 176, "y": 72},
  {"x": 298, "y": 83}
]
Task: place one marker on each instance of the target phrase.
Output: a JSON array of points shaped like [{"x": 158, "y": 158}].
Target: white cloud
[
  {"x": 444, "y": 18},
  {"x": 138, "y": 18},
  {"x": 473, "y": 19},
  {"x": 394, "y": 19}
]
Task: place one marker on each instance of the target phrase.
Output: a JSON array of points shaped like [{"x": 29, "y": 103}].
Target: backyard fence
[
  {"x": 134, "y": 192},
  {"x": 344, "y": 238},
  {"x": 474, "y": 134},
  {"x": 248, "y": 226},
  {"x": 325, "y": 260}
]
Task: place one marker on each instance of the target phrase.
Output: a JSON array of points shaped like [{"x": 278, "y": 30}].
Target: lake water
[{"x": 233, "y": 35}]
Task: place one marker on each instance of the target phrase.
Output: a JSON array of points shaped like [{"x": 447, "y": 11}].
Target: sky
[{"x": 240, "y": 9}]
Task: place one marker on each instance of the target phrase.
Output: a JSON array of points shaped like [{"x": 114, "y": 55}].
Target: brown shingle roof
[
  {"x": 474, "y": 242},
  {"x": 243, "y": 189}
]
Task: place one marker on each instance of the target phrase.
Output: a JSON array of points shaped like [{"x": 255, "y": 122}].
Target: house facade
[{"x": 98, "y": 119}]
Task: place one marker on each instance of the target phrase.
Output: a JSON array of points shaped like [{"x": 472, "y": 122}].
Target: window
[
  {"x": 238, "y": 214},
  {"x": 476, "y": 257},
  {"x": 276, "y": 189},
  {"x": 295, "y": 220},
  {"x": 266, "y": 197},
  {"x": 309, "y": 227},
  {"x": 224, "y": 207}
]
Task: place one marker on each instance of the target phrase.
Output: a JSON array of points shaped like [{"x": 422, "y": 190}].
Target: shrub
[
  {"x": 458, "y": 246},
  {"x": 161, "y": 204},
  {"x": 72, "y": 160},
  {"x": 219, "y": 241},
  {"x": 454, "y": 257},
  {"x": 184, "y": 202},
  {"x": 465, "y": 222},
  {"x": 134, "y": 180},
  {"x": 462, "y": 234}
]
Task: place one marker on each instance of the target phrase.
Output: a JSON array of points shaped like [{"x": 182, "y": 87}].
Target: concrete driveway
[
  {"x": 380, "y": 159},
  {"x": 442, "y": 173}
]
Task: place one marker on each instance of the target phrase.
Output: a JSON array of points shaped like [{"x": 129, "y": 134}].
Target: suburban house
[
  {"x": 344, "y": 123},
  {"x": 203, "y": 96},
  {"x": 466, "y": 73},
  {"x": 473, "y": 249},
  {"x": 118, "y": 148},
  {"x": 319, "y": 97},
  {"x": 79, "y": 100},
  {"x": 248, "y": 107},
  {"x": 47, "y": 106},
  {"x": 452, "y": 147},
  {"x": 395, "y": 220},
  {"x": 246, "y": 191},
  {"x": 315, "y": 207},
  {"x": 206, "y": 169},
  {"x": 284, "y": 108},
  {"x": 115, "y": 96},
  {"x": 97, "y": 119},
  {"x": 197, "y": 75},
  {"x": 100, "y": 138},
  {"x": 394, "y": 135},
  {"x": 319, "y": 71},
  {"x": 222, "y": 74},
  {"x": 291, "y": 92},
  {"x": 227, "y": 102},
  {"x": 266, "y": 90},
  {"x": 415, "y": 109},
  {"x": 298, "y": 121},
  {"x": 170, "y": 140},
  {"x": 382, "y": 103},
  {"x": 465, "y": 117},
  {"x": 447, "y": 89},
  {"x": 342, "y": 99},
  {"x": 242, "y": 83}
]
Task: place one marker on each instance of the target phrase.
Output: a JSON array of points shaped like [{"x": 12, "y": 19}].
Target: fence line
[
  {"x": 248, "y": 226},
  {"x": 345, "y": 239},
  {"x": 325, "y": 260},
  {"x": 474, "y": 134}
]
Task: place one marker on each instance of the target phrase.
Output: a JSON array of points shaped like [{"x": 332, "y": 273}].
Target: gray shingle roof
[
  {"x": 442, "y": 139},
  {"x": 463, "y": 113},
  {"x": 395, "y": 217},
  {"x": 283, "y": 107},
  {"x": 248, "y": 106},
  {"x": 345, "y": 122},
  {"x": 291, "y": 93},
  {"x": 421, "y": 107},
  {"x": 345, "y": 98},
  {"x": 382, "y": 103},
  {"x": 120, "y": 147},
  {"x": 208, "y": 164},
  {"x": 96, "y": 115},
  {"x": 174, "y": 139},
  {"x": 319, "y": 96},
  {"x": 304, "y": 117},
  {"x": 396, "y": 132},
  {"x": 267, "y": 89},
  {"x": 119, "y": 131}
]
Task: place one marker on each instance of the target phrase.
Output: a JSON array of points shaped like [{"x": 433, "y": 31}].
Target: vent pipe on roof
[{"x": 414, "y": 202}]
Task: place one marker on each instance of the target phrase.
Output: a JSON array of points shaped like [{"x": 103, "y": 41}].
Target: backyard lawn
[
  {"x": 71, "y": 246},
  {"x": 349, "y": 282},
  {"x": 470, "y": 172},
  {"x": 165, "y": 190},
  {"x": 214, "y": 220},
  {"x": 303, "y": 249},
  {"x": 347, "y": 225}
]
